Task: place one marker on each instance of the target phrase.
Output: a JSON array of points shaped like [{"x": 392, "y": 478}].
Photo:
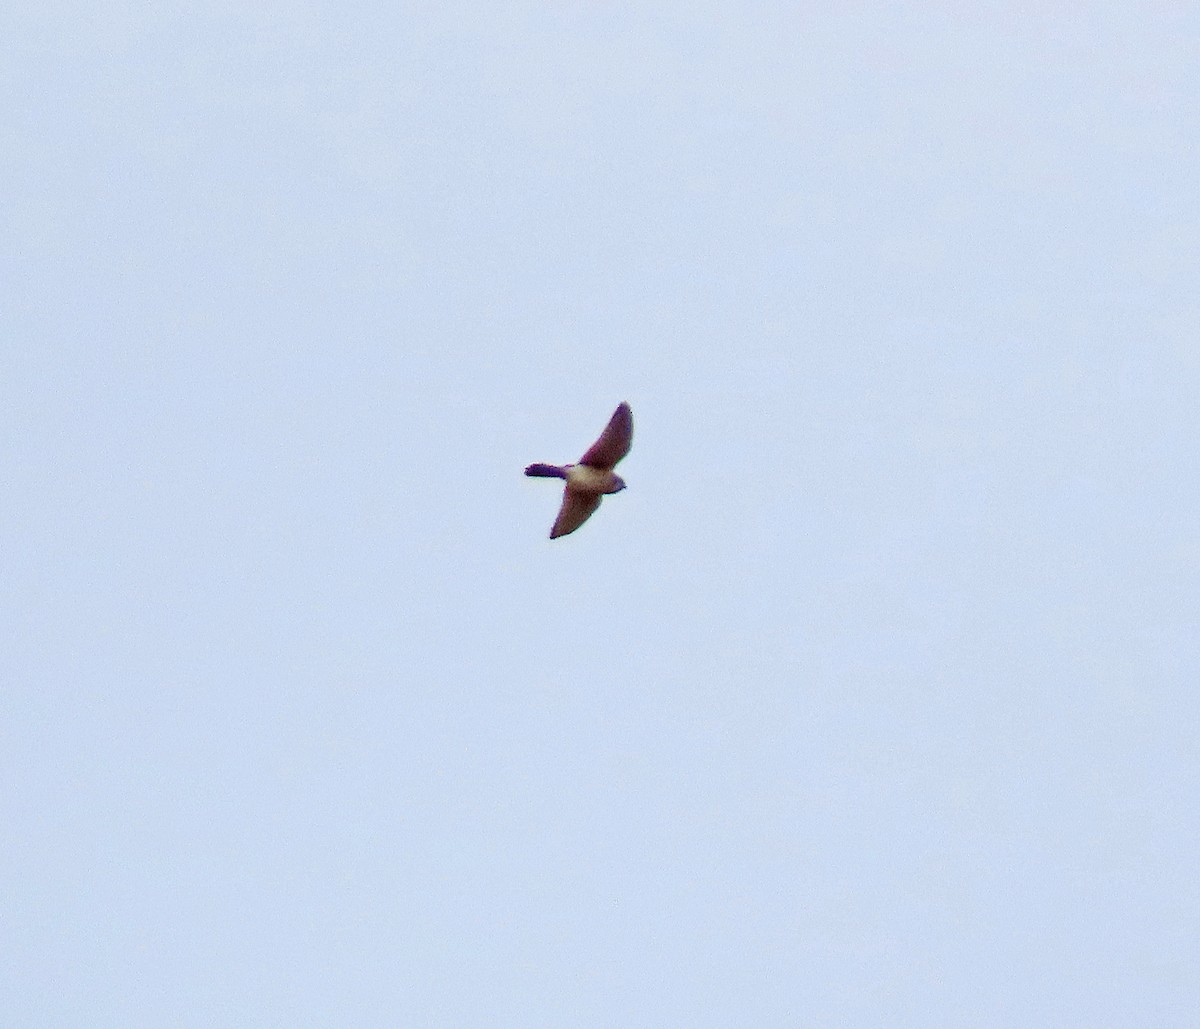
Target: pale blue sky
[{"x": 873, "y": 701}]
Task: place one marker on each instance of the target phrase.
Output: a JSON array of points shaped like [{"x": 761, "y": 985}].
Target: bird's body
[
  {"x": 586, "y": 479},
  {"x": 593, "y": 477}
]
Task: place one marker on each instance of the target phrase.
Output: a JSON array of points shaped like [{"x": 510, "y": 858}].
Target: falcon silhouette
[{"x": 593, "y": 476}]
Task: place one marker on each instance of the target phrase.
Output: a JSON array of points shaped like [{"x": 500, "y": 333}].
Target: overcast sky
[{"x": 873, "y": 701}]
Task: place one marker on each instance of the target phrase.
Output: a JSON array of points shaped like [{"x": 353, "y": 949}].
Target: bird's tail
[{"x": 546, "y": 471}]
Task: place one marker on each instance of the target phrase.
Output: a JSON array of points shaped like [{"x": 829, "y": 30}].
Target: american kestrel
[{"x": 589, "y": 480}]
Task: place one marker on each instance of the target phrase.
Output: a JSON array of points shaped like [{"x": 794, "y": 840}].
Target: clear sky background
[{"x": 873, "y": 701}]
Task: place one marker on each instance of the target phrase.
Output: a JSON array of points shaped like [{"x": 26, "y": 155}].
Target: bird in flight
[{"x": 593, "y": 476}]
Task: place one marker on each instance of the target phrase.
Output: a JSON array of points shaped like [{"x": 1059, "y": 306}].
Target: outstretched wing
[
  {"x": 613, "y": 443},
  {"x": 576, "y": 509}
]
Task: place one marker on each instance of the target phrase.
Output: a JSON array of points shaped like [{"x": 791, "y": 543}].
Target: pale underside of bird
[{"x": 593, "y": 476}]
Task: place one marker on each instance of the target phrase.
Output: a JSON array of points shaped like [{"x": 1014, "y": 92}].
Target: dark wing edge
[{"x": 614, "y": 441}]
